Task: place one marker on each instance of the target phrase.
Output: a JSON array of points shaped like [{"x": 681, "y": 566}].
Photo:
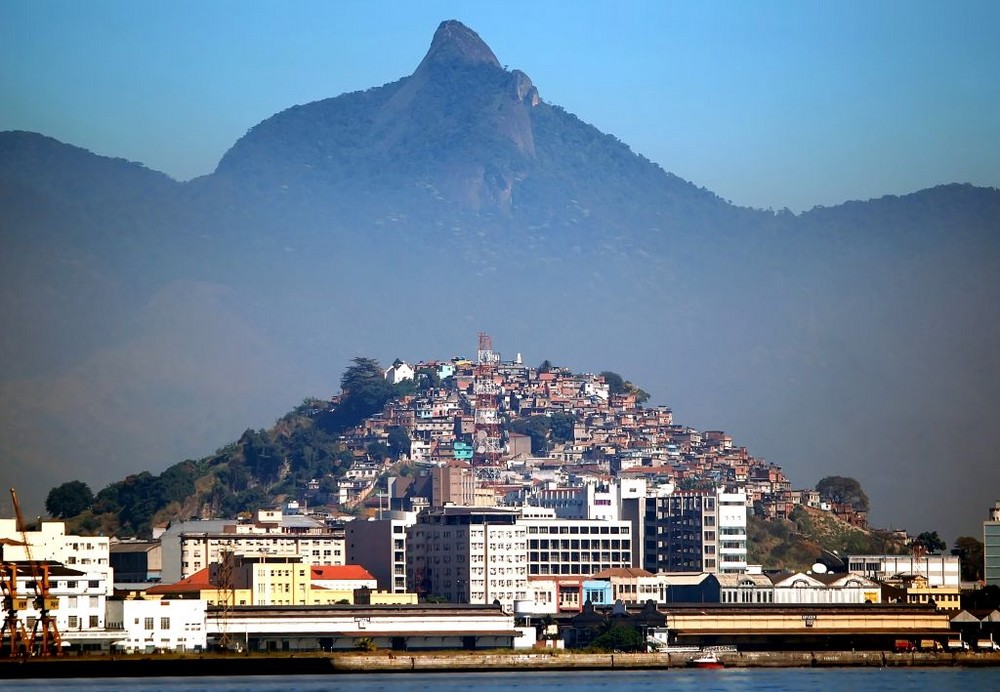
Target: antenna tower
[{"x": 487, "y": 443}]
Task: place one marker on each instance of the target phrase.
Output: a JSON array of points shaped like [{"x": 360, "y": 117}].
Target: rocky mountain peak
[{"x": 454, "y": 42}]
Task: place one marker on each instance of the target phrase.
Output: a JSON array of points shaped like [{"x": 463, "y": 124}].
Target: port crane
[
  {"x": 44, "y": 639},
  {"x": 14, "y": 642}
]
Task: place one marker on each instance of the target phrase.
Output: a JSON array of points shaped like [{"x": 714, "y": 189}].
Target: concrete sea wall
[{"x": 313, "y": 664}]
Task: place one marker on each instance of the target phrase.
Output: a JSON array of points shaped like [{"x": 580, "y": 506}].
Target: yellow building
[{"x": 280, "y": 581}]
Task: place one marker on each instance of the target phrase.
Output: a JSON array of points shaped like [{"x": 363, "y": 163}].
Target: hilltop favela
[
  {"x": 483, "y": 505},
  {"x": 436, "y": 385}
]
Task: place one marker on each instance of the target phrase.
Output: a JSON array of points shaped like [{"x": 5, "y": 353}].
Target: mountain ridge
[{"x": 326, "y": 232}]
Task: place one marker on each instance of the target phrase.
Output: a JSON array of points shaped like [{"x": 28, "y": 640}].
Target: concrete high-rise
[
  {"x": 690, "y": 531},
  {"x": 991, "y": 546}
]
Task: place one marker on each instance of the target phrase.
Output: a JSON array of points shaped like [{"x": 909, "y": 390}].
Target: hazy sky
[{"x": 768, "y": 104}]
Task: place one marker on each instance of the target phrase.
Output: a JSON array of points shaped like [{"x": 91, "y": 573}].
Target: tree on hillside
[
  {"x": 537, "y": 428},
  {"x": 561, "y": 425},
  {"x": 843, "y": 490},
  {"x": 363, "y": 378},
  {"x": 641, "y": 395},
  {"x": 970, "y": 554},
  {"x": 378, "y": 451},
  {"x": 399, "y": 442},
  {"x": 69, "y": 499},
  {"x": 615, "y": 382},
  {"x": 619, "y": 385},
  {"x": 365, "y": 391},
  {"x": 930, "y": 541},
  {"x": 428, "y": 378}
]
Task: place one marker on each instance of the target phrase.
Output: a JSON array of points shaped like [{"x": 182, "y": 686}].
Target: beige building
[
  {"x": 468, "y": 555},
  {"x": 271, "y": 535}
]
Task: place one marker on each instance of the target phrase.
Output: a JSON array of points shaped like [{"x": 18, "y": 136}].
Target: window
[
  {"x": 148, "y": 623},
  {"x": 164, "y": 623},
  {"x": 74, "y": 621},
  {"x": 94, "y": 621}
]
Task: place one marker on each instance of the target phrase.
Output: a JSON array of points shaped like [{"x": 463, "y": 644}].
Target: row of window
[
  {"x": 577, "y": 544},
  {"x": 570, "y": 556},
  {"x": 577, "y": 529}
]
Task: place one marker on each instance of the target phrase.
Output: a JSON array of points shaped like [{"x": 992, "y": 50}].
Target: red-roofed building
[{"x": 342, "y": 577}]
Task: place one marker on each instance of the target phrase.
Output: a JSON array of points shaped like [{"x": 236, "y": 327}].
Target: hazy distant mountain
[{"x": 148, "y": 320}]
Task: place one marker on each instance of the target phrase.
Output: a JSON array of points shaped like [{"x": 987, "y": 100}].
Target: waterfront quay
[{"x": 467, "y": 662}]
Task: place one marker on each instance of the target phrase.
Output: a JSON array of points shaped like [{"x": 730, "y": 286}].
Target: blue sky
[{"x": 768, "y": 104}]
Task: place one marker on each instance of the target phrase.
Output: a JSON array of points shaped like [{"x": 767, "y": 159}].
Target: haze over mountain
[{"x": 149, "y": 320}]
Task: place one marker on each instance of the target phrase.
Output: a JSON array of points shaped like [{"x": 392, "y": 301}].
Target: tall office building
[
  {"x": 991, "y": 546},
  {"x": 690, "y": 531},
  {"x": 379, "y": 545}
]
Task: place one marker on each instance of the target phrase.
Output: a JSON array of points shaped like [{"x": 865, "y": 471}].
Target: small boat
[{"x": 706, "y": 660}]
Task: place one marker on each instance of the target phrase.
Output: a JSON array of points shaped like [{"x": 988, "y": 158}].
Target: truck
[
  {"x": 930, "y": 645},
  {"x": 957, "y": 644},
  {"x": 987, "y": 645},
  {"x": 903, "y": 646}
]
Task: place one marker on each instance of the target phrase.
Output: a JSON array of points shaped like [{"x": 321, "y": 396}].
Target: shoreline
[{"x": 166, "y": 665}]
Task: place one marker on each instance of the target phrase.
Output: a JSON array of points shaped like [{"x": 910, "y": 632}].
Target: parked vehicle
[
  {"x": 931, "y": 645},
  {"x": 903, "y": 646},
  {"x": 958, "y": 644},
  {"x": 987, "y": 645}
]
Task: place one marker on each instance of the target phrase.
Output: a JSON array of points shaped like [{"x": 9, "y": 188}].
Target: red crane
[
  {"x": 14, "y": 640},
  {"x": 45, "y": 639}
]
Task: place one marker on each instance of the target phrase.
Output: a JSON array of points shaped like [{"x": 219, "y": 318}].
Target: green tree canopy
[
  {"x": 843, "y": 490},
  {"x": 619, "y": 385},
  {"x": 970, "y": 553},
  {"x": 379, "y": 451},
  {"x": 537, "y": 428},
  {"x": 69, "y": 499},
  {"x": 399, "y": 442},
  {"x": 561, "y": 426},
  {"x": 615, "y": 382},
  {"x": 365, "y": 392},
  {"x": 930, "y": 541},
  {"x": 620, "y": 638}
]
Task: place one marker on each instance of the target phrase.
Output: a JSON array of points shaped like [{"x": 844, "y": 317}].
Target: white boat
[{"x": 706, "y": 660}]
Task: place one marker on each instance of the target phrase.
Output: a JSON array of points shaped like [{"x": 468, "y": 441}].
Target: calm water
[{"x": 791, "y": 679}]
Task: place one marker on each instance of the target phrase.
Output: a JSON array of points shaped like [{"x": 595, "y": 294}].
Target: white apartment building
[
  {"x": 51, "y": 543},
  {"x": 583, "y": 501},
  {"x": 145, "y": 626},
  {"x": 732, "y": 527},
  {"x": 77, "y": 601},
  {"x": 468, "y": 555}
]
